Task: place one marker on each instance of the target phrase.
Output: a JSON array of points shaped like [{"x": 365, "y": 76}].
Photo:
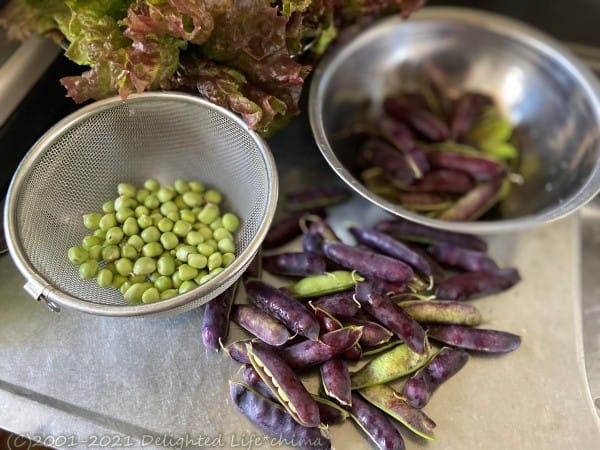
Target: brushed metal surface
[{"x": 130, "y": 379}]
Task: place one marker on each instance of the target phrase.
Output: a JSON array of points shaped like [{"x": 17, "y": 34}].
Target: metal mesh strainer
[{"x": 77, "y": 164}]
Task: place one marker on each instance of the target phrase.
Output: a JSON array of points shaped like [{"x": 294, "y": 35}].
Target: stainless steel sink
[{"x": 590, "y": 270}]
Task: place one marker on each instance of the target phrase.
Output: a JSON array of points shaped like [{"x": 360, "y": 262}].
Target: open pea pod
[
  {"x": 388, "y": 366},
  {"x": 285, "y": 384},
  {"x": 322, "y": 284},
  {"x": 389, "y": 401}
]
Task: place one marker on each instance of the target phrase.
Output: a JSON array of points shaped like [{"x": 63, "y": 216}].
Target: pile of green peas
[{"x": 158, "y": 241}]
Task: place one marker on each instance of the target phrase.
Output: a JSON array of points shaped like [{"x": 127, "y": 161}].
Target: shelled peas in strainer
[{"x": 158, "y": 241}]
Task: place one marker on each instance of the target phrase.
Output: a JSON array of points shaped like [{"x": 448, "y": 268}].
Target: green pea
[
  {"x": 150, "y": 295},
  {"x": 165, "y": 224},
  {"x": 107, "y": 221},
  {"x": 114, "y": 235},
  {"x": 173, "y": 216},
  {"x": 196, "y": 186},
  {"x": 228, "y": 258},
  {"x": 216, "y": 224},
  {"x": 124, "y": 266},
  {"x": 205, "y": 249},
  {"x": 95, "y": 252},
  {"x": 111, "y": 253},
  {"x": 197, "y": 261},
  {"x": 181, "y": 186},
  {"x": 208, "y": 213},
  {"x": 129, "y": 251},
  {"x": 166, "y": 265},
  {"x": 226, "y": 245},
  {"x": 192, "y": 198},
  {"x": 230, "y": 222},
  {"x": 187, "y": 215},
  {"x": 99, "y": 233},
  {"x": 176, "y": 280},
  {"x": 144, "y": 266},
  {"x": 169, "y": 240},
  {"x": 187, "y": 286},
  {"x": 152, "y": 249},
  {"x": 104, "y": 278},
  {"x": 162, "y": 283},
  {"x": 150, "y": 234},
  {"x": 141, "y": 211},
  {"x": 92, "y": 221},
  {"x": 142, "y": 195},
  {"x": 184, "y": 251},
  {"x": 130, "y": 226},
  {"x": 135, "y": 292},
  {"x": 221, "y": 233},
  {"x": 136, "y": 278},
  {"x": 145, "y": 221},
  {"x": 165, "y": 194},
  {"x": 90, "y": 241},
  {"x": 194, "y": 238},
  {"x": 182, "y": 228},
  {"x": 124, "y": 286},
  {"x": 88, "y": 269},
  {"x": 118, "y": 280},
  {"x": 169, "y": 293},
  {"x": 136, "y": 241},
  {"x": 126, "y": 189},
  {"x": 151, "y": 201},
  {"x": 213, "y": 196},
  {"x": 203, "y": 279},
  {"x": 77, "y": 255},
  {"x": 186, "y": 272},
  {"x": 125, "y": 202},
  {"x": 215, "y": 260},
  {"x": 108, "y": 207},
  {"x": 179, "y": 202},
  {"x": 152, "y": 185}
]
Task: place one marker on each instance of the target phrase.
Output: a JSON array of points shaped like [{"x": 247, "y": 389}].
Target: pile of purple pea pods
[{"x": 384, "y": 323}]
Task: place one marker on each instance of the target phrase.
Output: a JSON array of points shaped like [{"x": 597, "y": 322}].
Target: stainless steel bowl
[{"x": 550, "y": 96}]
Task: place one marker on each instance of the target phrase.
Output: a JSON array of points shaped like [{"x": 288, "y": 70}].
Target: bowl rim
[
  {"x": 41, "y": 289},
  {"x": 496, "y": 23}
]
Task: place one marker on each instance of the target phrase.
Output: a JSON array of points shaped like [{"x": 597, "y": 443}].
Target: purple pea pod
[
  {"x": 337, "y": 304},
  {"x": 468, "y": 285},
  {"x": 368, "y": 263},
  {"x": 274, "y": 420},
  {"x": 387, "y": 245},
  {"x": 420, "y": 119},
  {"x": 215, "y": 320},
  {"x": 480, "y": 168},
  {"x": 467, "y": 110},
  {"x": 445, "y": 181},
  {"x": 318, "y": 197},
  {"x": 456, "y": 257},
  {"x": 392, "y": 317},
  {"x": 260, "y": 324},
  {"x": 285, "y": 384},
  {"x": 376, "y": 425},
  {"x": 283, "y": 307},
  {"x": 419, "y": 388},
  {"x": 294, "y": 264},
  {"x": 373, "y": 333},
  {"x": 309, "y": 353},
  {"x": 335, "y": 378},
  {"x": 405, "y": 229},
  {"x": 286, "y": 229},
  {"x": 378, "y": 153},
  {"x": 478, "y": 339},
  {"x": 475, "y": 203}
]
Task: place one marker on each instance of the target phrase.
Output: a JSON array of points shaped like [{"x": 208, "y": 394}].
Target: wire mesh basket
[{"x": 75, "y": 167}]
